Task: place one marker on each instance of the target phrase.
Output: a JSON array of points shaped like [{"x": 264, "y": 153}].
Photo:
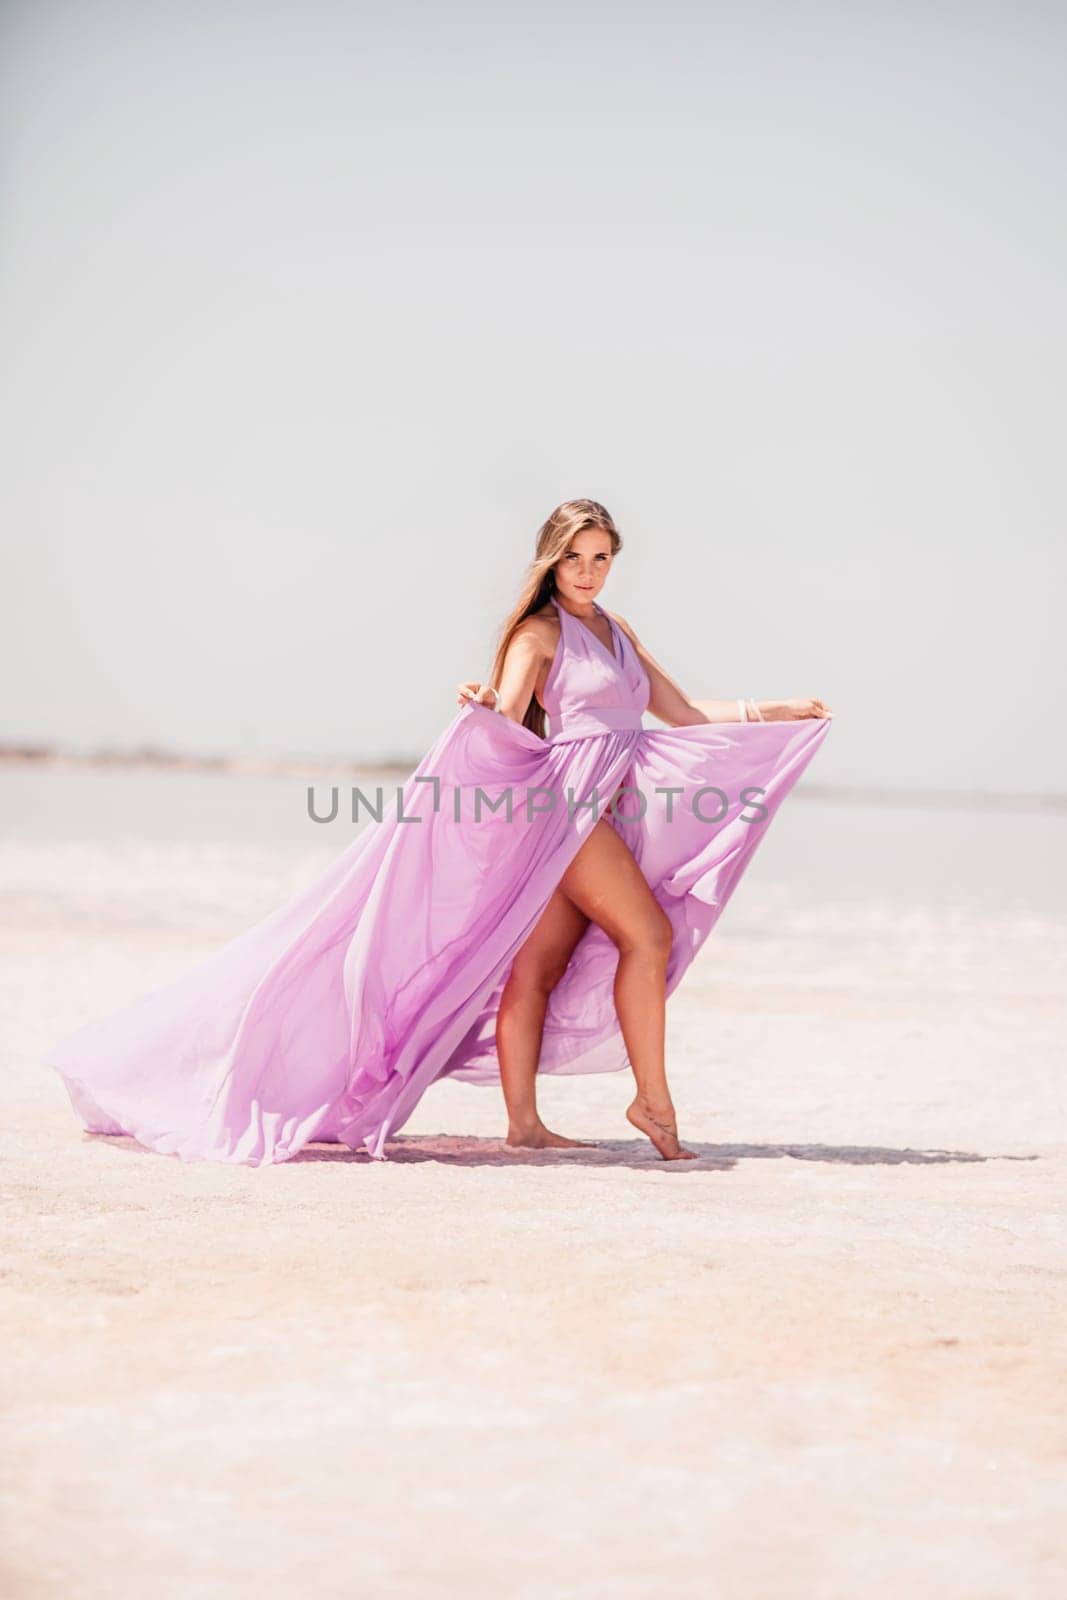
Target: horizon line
[{"x": 249, "y": 765}]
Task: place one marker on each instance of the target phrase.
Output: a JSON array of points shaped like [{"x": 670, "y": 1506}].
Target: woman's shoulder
[{"x": 541, "y": 628}]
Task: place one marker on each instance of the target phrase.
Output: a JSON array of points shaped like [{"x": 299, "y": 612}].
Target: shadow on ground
[{"x": 462, "y": 1151}]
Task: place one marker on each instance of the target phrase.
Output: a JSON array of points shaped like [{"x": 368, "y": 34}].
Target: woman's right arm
[{"x": 527, "y": 653}]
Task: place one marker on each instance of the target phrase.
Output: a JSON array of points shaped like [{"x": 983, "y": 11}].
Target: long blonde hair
[{"x": 539, "y": 585}]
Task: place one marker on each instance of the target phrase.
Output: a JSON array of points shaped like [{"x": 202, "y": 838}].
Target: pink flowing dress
[{"x": 330, "y": 1019}]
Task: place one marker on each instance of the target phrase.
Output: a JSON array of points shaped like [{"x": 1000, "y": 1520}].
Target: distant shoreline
[
  {"x": 149, "y": 759},
  {"x": 175, "y": 761}
]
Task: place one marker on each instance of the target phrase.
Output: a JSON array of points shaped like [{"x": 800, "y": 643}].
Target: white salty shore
[{"x": 826, "y": 1358}]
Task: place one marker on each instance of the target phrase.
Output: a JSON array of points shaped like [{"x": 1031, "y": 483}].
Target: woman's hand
[
  {"x": 476, "y": 693},
  {"x": 792, "y": 710}
]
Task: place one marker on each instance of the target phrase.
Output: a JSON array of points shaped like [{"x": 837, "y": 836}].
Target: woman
[
  {"x": 603, "y": 883},
  {"x": 512, "y": 915}
]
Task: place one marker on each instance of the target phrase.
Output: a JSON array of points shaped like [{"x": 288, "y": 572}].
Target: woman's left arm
[{"x": 669, "y": 702}]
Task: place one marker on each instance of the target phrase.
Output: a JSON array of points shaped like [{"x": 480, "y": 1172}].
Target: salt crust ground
[{"x": 826, "y": 1359}]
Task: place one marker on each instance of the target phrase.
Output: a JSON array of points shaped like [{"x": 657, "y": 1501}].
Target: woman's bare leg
[
  {"x": 605, "y": 883},
  {"x": 520, "y": 1023}
]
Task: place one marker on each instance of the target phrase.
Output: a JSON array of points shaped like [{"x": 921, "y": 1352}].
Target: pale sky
[{"x": 311, "y": 313}]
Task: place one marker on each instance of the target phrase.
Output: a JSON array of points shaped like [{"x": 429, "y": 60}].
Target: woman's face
[{"x": 582, "y": 569}]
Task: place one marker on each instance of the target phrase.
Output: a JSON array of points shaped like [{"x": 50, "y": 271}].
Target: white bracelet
[
  {"x": 742, "y": 711},
  {"x": 759, "y": 714},
  {"x": 496, "y": 701}
]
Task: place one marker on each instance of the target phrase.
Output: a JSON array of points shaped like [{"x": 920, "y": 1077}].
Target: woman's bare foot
[
  {"x": 658, "y": 1124},
  {"x": 538, "y": 1137}
]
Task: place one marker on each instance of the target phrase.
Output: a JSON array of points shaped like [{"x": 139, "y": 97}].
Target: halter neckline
[{"x": 616, "y": 659}]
